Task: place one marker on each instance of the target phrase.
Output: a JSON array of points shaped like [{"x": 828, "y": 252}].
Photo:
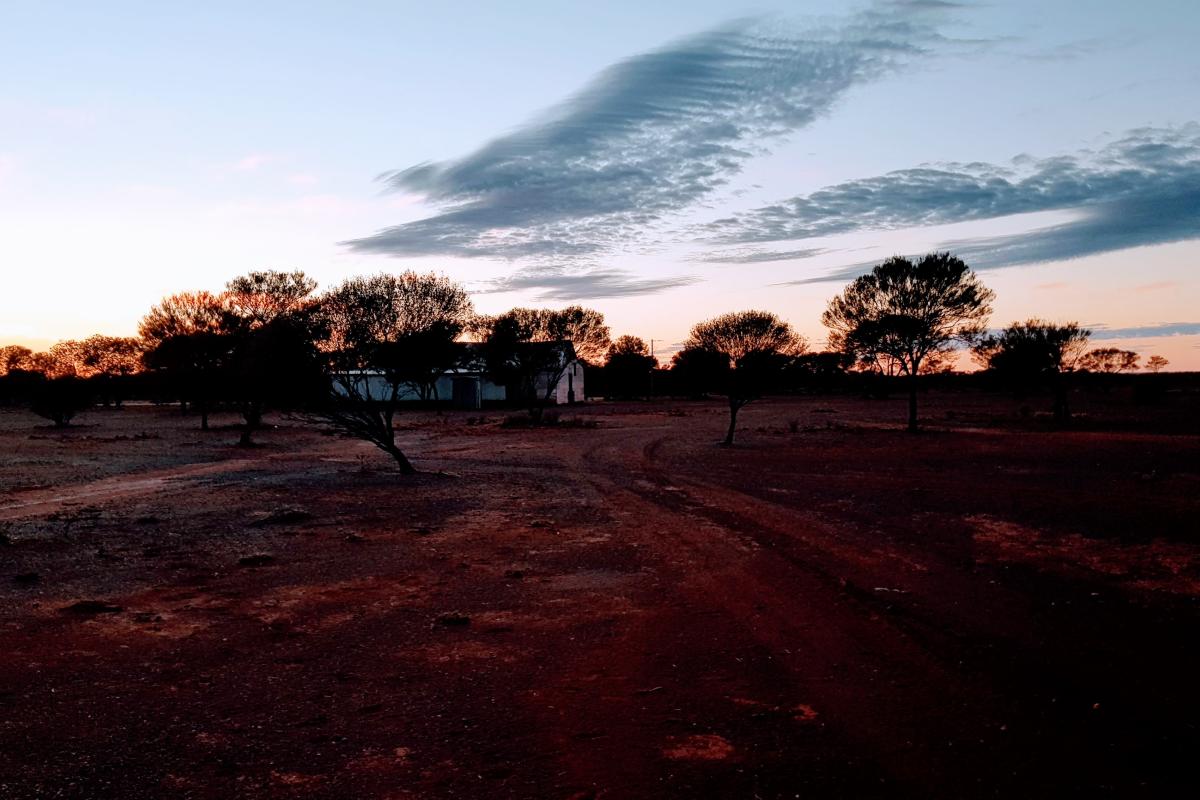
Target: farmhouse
[{"x": 468, "y": 385}]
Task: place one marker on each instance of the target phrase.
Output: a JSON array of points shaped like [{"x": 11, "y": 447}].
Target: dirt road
[{"x": 624, "y": 611}]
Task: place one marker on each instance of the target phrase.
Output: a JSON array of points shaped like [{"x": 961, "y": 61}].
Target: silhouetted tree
[
  {"x": 60, "y": 398},
  {"x": 15, "y": 357},
  {"x": 195, "y": 366},
  {"x": 183, "y": 313},
  {"x": 1035, "y": 352},
  {"x": 109, "y": 360},
  {"x": 186, "y": 340},
  {"x": 268, "y": 317},
  {"x": 819, "y": 372},
  {"x": 527, "y": 349},
  {"x": 583, "y": 327},
  {"x": 696, "y": 372},
  {"x": 383, "y": 336},
  {"x": 629, "y": 366},
  {"x": 755, "y": 346},
  {"x": 904, "y": 314},
  {"x": 1156, "y": 363},
  {"x": 1109, "y": 360},
  {"x": 259, "y": 298}
]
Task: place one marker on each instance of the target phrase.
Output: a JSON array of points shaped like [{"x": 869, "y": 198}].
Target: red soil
[{"x": 624, "y": 611}]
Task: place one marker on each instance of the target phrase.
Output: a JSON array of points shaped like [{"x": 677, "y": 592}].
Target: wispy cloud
[
  {"x": 1147, "y": 331},
  {"x": 252, "y": 162},
  {"x": 761, "y": 256},
  {"x": 649, "y": 137},
  {"x": 1142, "y": 189},
  {"x": 557, "y": 284}
]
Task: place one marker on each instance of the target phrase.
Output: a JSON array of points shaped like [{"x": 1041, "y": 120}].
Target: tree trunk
[
  {"x": 912, "y": 402},
  {"x": 253, "y": 419},
  {"x": 1062, "y": 410},
  {"x": 406, "y": 467},
  {"x": 733, "y": 412}
]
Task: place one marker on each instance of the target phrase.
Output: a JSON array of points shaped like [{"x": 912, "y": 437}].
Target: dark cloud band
[
  {"x": 1143, "y": 189},
  {"x": 650, "y": 137}
]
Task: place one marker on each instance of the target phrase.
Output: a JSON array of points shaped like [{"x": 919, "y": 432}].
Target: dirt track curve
[{"x": 627, "y": 611}]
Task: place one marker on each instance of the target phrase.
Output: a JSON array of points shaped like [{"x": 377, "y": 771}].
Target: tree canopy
[
  {"x": 904, "y": 314},
  {"x": 1026, "y": 354},
  {"x": 381, "y": 335},
  {"x": 747, "y": 351},
  {"x": 1109, "y": 360}
]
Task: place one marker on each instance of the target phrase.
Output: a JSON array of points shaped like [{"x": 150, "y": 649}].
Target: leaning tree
[
  {"x": 907, "y": 315},
  {"x": 748, "y": 351},
  {"x": 383, "y": 337}
]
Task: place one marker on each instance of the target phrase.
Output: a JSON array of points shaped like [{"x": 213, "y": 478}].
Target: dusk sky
[{"x": 662, "y": 162}]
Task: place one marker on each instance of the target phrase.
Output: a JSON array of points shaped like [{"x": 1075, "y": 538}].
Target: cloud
[
  {"x": 1079, "y": 48},
  {"x": 761, "y": 256},
  {"x": 648, "y": 137},
  {"x": 1156, "y": 286},
  {"x": 1142, "y": 189},
  {"x": 252, "y": 162},
  {"x": 1146, "y": 331},
  {"x": 556, "y": 284}
]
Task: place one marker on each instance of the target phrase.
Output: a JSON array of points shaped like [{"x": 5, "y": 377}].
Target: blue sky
[{"x": 662, "y": 162}]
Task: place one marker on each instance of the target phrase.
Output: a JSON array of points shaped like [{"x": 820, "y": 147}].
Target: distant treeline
[{"x": 268, "y": 341}]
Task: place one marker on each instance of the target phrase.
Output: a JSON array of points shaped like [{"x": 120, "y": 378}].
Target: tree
[
  {"x": 195, "y": 366},
  {"x": 259, "y": 298},
  {"x": 696, "y": 372},
  {"x": 583, "y": 327},
  {"x": 110, "y": 360},
  {"x": 1109, "y": 360},
  {"x": 15, "y": 358},
  {"x": 755, "y": 347},
  {"x": 906, "y": 314},
  {"x": 185, "y": 337},
  {"x": 182, "y": 314},
  {"x": 527, "y": 348},
  {"x": 819, "y": 372},
  {"x": 1033, "y": 352},
  {"x": 381, "y": 337},
  {"x": 60, "y": 398},
  {"x": 1156, "y": 363},
  {"x": 58, "y": 394},
  {"x": 629, "y": 366},
  {"x": 268, "y": 317}
]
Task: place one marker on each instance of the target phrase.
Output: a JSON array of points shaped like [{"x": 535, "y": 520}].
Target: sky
[{"x": 662, "y": 162}]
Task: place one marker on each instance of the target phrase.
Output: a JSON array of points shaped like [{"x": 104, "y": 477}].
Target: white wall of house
[
  {"x": 570, "y": 386},
  {"x": 572, "y": 379}
]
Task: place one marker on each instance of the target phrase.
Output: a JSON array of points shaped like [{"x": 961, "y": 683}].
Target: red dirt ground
[{"x": 839, "y": 610}]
